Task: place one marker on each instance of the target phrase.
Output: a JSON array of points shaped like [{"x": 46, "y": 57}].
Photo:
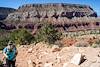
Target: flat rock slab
[
  {"x": 95, "y": 65},
  {"x": 70, "y": 65},
  {"x": 77, "y": 58}
]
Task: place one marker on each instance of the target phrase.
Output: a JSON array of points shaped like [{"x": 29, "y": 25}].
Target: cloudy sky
[{"x": 95, "y": 4}]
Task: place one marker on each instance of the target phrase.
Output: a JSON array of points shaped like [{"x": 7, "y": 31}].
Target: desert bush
[
  {"x": 47, "y": 33},
  {"x": 3, "y": 38},
  {"x": 81, "y": 44},
  {"x": 96, "y": 44},
  {"x": 3, "y": 42},
  {"x": 21, "y": 36}
]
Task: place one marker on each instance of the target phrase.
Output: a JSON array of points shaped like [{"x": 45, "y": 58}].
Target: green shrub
[
  {"x": 3, "y": 42},
  {"x": 47, "y": 33},
  {"x": 21, "y": 36},
  {"x": 3, "y": 38}
]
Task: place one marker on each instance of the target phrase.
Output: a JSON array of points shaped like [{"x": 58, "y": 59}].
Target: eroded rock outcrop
[
  {"x": 32, "y": 11},
  {"x": 64, "y": 17}
]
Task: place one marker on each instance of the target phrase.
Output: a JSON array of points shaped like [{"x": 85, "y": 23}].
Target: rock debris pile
[{"x": 43, "y": 55}]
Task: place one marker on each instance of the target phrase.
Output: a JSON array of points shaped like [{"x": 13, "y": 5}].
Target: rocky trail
[{"x": 42, "y": 55}]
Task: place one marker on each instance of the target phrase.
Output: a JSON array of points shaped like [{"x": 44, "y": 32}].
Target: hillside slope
[{"x": 4, "y": 11}]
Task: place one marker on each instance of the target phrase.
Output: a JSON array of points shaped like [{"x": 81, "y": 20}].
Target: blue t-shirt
[{"x": 10, "y": 54}]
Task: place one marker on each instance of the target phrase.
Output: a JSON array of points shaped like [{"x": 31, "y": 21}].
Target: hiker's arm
[
  {"x": 5, "y": 55},
  {"x": 4, "y": 52}
]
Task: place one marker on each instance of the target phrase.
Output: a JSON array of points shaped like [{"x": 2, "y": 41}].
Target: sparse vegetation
[
  {"x": 3, "y": 42},
  {"x": 96, "y": 44},
  {"x": 47, "y": 33},
  {"x": 3, "y": 38},
  {"x": 21, "y": 36},
  {"x": 82, "y": 44}
]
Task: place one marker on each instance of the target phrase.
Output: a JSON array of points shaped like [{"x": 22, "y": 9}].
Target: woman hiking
[{"x": 10, "y": 53}]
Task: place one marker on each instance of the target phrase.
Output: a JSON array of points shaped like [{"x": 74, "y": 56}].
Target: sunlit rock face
[
  {"x": 64, "y": 17},
  {"x": 56, "y": 10}
]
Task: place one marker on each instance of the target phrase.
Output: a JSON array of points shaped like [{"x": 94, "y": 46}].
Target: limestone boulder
[{"x": 77, "y": 58}]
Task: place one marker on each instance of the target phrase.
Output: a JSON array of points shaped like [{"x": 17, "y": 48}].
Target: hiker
[{"x": 10, "y": 53}]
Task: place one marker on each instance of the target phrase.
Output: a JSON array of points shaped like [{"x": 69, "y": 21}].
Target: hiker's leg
[
  {"x": 8, "y": 63},
  {"x": 13, "y": 63}
]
